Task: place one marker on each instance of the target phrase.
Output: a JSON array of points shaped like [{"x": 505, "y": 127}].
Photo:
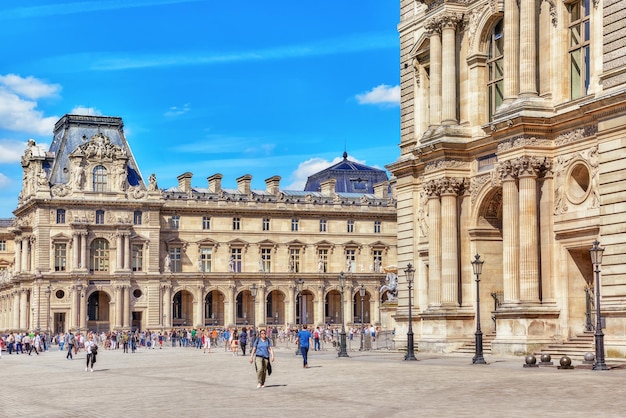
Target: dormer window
[{"x": 99, "y": 179}]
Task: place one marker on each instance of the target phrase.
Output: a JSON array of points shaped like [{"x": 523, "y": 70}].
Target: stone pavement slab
[{"x": 184, "y": 382}]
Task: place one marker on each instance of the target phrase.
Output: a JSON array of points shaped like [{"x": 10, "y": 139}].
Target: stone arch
[
  {"x": 98, "y": 310},
  {"x": 275, "y": 306},
  {"x": 182, "y": 308},
  {"x": 214, "y": 313},
  {"x": 332, "y": 306}
]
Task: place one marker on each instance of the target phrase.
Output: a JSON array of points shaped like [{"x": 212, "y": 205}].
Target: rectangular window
[
  {"x": 294, "y": 260},
  {"x": 266, "y": 224},
  {"x": 236, "y": 224},
  {"x": 206, "y": 255},
  {"x": 235, "y": 260},
  {"x": 175, "y": 221},
  {"x": 266, "y": 260},
  {"x": 350, "y": 261},
  {"x": 294, "y": 225},
  {"x": 60, "y": 257},
  {"x": 322, "y": 266},
  {"x": 377, "y": 227},
  {"x": 579, "y": 54},
  {"x": 60, "y": 216},
  {"x": 136, "y": 251},
  {"x": 137, "y": 217},
  {"x": 206, "y": 222},
  {"x": 377, "y": 261},
  {"x": 3, "y": 245},
  {"x": 350, "y": 227},
  {"x": 99, "y": 217},
  {"x": 175, "y": 259},
  {"x": 322, "y": 225}
]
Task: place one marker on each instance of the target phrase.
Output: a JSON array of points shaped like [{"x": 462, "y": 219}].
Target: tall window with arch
[
  {"x": 99, "y": 255},
  {"x": 99, "y": 179},
  {"x": 495, "y": 66}
]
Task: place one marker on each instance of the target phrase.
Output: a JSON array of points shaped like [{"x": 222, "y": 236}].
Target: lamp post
[
  {"x": 596, "y": 253},
  {"x": 253, "y": 290},
  {"x": 299, "y": 285},
  {"x": 362, "y": 293},
  {"x": 342, "y": 342},
  {"x": 409, "y": 271},
  {"x": 477, "y": 265}
]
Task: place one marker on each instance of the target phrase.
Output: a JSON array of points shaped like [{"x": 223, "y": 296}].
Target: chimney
[
  {"x": 272, "y": 185},
  {"x": 243, "y": 184},
  {"x": 328, "y": 186},
  {"x": 381, "y": 190},
  {"x": 184, "y": 182},
  {"x": 215, "y": 183}
]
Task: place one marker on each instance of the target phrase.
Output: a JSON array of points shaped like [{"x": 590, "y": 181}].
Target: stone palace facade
[
  {"x": 93, "y": 246},
  {"x": 513, "y": 126}
]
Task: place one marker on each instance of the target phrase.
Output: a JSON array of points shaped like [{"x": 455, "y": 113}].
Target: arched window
[
  {"x": 495, "y": 64},
  {"x": 99, "y": 252},
  {"x": 99, "y": 179}
]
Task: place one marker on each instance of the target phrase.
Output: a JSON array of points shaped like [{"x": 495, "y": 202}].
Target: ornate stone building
[
  {"x": 95, "y": 247},
  {"x": 513, "y": 117}
]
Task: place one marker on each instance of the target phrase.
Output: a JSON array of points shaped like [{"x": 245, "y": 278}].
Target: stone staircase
[
  {"x": 575, "y": 348},
  {"x": 470, "y": 346}
]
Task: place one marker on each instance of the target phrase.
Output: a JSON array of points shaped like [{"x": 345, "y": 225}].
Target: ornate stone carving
[
  {"x": 60, "y": 190},
  {"x": 576, "y": 135},
  {"x": 522, "y": 141},
  {"x": 476, "y": 184},
  {"x": 443, "y": 164}
]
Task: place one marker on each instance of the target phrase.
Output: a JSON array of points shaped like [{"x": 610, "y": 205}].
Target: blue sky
[{"x": 233, "y": 87}]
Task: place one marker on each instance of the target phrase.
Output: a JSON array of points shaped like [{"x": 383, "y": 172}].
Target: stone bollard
[
  {"x": 566, "y": 363},
  {"x": 531, "y": 361},
  {"x": 546, "y": 360},
  {"x": 590, "y": 358}
]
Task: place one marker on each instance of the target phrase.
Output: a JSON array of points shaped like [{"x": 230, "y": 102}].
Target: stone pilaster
[
  {"x": 449, "y": 24},
  {"x": 434, "y": 244},
  {"x": 511, "y": 50},
  {"x": 528, "y": 48},
  {"x": 449, "y": 189},
  {"x": 434, "y": 29},
  {"x": 510, "y": 232}
]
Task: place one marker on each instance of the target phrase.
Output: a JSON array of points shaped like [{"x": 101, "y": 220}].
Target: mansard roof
[
  {"x": 74, "y": 133},
  {"x": 351, "y": 177}
]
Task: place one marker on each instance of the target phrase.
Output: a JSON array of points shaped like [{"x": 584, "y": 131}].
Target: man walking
[
  {"x": 70, "y": 346},
  {"x": 304, "y": 338}
]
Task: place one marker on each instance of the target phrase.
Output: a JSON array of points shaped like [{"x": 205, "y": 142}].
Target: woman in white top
[{"x": 92, "y": 350}]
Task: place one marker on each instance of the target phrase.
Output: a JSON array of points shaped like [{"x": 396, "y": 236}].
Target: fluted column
[
  {"x": 320, "y": 301},
  {"x": 25, "y": 255},
  {"x": 261, "y": 305},
  {"x": 23, "y": 309},
  {"x": 449, "y": 24},
  {"x": 348, "y": 311},
  {"x": 230, "y": 316},
  {"x": 119, "y": 302},
  {"x": 126, "y": 306},
  {"x": 127, "y": 254},
  {"x": 167, "y": 305},
  {"x": 434, "y": 29},
  {"x": 198, "y": 312},
  {"x": 18, "y": 255},
  {"x": 83, "y": 253},
  {"x": 118, "y": 252},
  {"x": 75, "y": 250},
  {"x": 528, "y": 48},
  {"x": 16, "y": 310},
  {"x": 434, "y": 244},
  {"x": 510, "y": 232},
  {"x": 449, "y": 236},
  {"x": 511, "y": 50},
  {"x": 529, "y": 247}
]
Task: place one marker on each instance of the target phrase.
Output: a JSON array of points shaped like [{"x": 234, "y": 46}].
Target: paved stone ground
[{"x": 177, "y": 382}]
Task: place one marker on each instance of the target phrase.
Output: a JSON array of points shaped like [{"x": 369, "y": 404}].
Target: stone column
[
  {"x": 23, "y": 309},
  {"x": 167, "y": 305},
  {"x": 127, "y": 254},
  {"x": 75, "y": 250},
  {"x": 16, "y": 310},
  {"x": 528, "y": 48},
  {"x": 119, "y": 305},
  {"x": 511, "y": 50},
  {"x": 18, "y": 255},
  {"x": 198, "y": 311},
  {"x": 126, "y": 307},
  {"x": 434, "y": 29},
  {"x": 450, "y": 236},
  {"x": 510, "y": 232},
  {"x": 82, "y": 311},
  {"x": 529, "y": 247},
  {"x": 449, "y": 24},
  {"x": 290, "y": 312},
  {"x": 83, "y": 253},
  {"x": 118, "y": 252},
  {"x": 230, "y": 315},
  {"x": 434, "y": 244},
  {"x": 347, "y": 304},
  {"x": 261, "y": 306},
  {"x": 320, "y": 301},
  {"x": 25, "y": 254}
]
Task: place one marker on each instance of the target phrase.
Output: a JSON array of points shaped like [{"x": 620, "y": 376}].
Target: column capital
[
  {"x": 451, "y": 185},
  {"x": 450, "y": 20},
  {"x": 433, "y": 26},
  {"x": 507, "y": 171},
  {"x": 529, "y": 166}
]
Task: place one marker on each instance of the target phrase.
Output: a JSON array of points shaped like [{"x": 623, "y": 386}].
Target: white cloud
[
  {"x": 18, "y": 112},
  {"x": 311, "y": 166},
  {"x": 382, "y": 94},
  {"x": 85, "y": 111},
  {"x": 177, "y": 111},
  {"x": 11, "y": 151},
  {"x": 4, "y": 181}
]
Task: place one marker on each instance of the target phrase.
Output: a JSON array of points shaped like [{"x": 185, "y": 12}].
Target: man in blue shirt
[{"x": 304, "y": 338}]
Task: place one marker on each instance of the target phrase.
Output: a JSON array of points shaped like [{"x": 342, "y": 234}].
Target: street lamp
[
  {"x": 342, "y": 342},
  {"x": 253, "y": 290},
  {"x": 477, "y": 265},
  {"x": 409, "y": 271},
  {"x": 299, "y": 285},
  {"x": 596, "y": 253},
  {"x": 362, "y": 293}
]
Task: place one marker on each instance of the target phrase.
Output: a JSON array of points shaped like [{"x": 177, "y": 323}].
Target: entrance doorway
[
  {"x": 136, "y": 324},
  {"x": 59, "y": 322}
]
